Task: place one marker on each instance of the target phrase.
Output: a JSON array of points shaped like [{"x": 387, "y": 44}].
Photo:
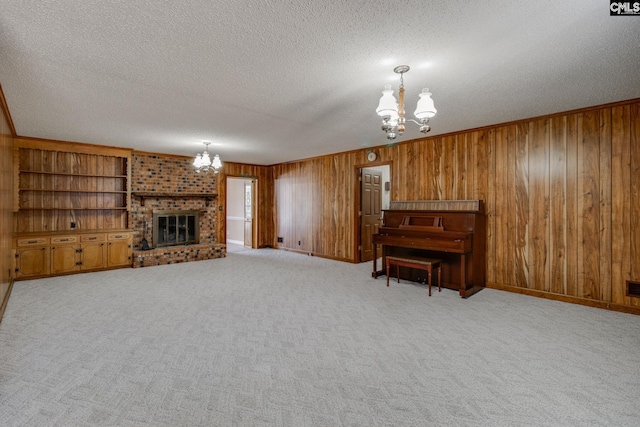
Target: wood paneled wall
[
  {"x": 315, "y": 205},
  {"x": 264, "y": 206},
  {"x": 561, "y": 192},
  {"x": 6, "y": 202}
]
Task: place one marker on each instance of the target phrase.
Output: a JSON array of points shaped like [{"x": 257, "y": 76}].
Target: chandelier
[
  {"x": 392, "y": 112},
  {"x": 203, "y": 162}
]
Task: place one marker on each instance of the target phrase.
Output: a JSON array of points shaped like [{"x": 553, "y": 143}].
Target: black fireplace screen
[{"x": 175, "y": 227}]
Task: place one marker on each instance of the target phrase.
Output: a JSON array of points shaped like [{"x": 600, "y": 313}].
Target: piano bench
[{"x": 426, "y": 264}]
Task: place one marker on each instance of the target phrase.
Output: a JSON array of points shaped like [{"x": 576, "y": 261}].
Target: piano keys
[{"x": 451, "y": 230}]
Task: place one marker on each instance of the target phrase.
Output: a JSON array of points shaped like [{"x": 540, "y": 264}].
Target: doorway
[
  {"x": 241, "y": 225},
  {"x": 375, "y": 195}
]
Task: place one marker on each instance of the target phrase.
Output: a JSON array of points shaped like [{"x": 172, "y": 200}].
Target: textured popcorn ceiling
[{"x": 272, "y": 81}]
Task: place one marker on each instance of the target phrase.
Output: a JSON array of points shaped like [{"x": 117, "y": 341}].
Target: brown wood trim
[
  {"x": 7, "y": 114},
  {"x": 5, "y": 301},
  {"x": 71, "y": 232},
  {"x": 71, "y": 147},
  {"x": 159, "y": 195},
  {"x": 566, "y": 298}
]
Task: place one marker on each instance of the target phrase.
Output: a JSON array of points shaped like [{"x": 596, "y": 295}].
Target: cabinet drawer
[
  {"x": 24, "y": 241},
  {"x": 120, "y": 236},
  {"x": 92, "y": 238},
  {"x": 64, "y": 239}
]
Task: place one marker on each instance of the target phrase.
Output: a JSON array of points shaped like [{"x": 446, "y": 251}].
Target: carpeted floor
[{"x": 267, "y": 337}]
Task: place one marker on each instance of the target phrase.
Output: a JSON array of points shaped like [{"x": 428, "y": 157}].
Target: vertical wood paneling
[
  {"x": 604, "y": 263},
  {"x": 461, "y": 166},
  {"x": 558, "y": 205},
  {"x": 499, "y": 182},
  {"x": 490, "y": 208},
  {"x": 620, "y": 203},
  {"x": 511, "y": 206},
  {"x": 522, "y": 207},
  {"x": 423, "y": 189},
  {"x": 634, "y": 211},
  {"x": 448, "y": 166},
  {"x": 481, "y": 152},
  {"x": 538, "y": 204},
  {"x": 572, "y": 209},
  {"x": 588, "y": 194}
]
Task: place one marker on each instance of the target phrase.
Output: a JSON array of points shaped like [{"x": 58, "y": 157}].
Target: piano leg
[
  {"x": 465, "y": 290},
  {"x": 375, "y": 272},
  {"x": 463, "y": 274}
]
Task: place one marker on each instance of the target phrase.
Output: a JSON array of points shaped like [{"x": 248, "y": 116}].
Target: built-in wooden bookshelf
[{"x": 68, "y": 190}]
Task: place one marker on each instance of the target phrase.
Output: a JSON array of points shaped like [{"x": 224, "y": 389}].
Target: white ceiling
[{"x": 272, "y": 81}]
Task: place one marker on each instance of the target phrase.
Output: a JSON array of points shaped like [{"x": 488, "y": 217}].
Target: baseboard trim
[
  {"x": 5, "y": 301},
  {"x": 566, "y": 298},
  {"x": 315, "y": 254}
]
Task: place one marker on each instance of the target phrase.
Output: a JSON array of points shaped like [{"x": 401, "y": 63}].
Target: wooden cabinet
[
  {"x": 93, "y": 251},
  {"x": 31, "y": 257},
  {"x": 55, "y": 254},
  {"x": 119, "y": 249}
]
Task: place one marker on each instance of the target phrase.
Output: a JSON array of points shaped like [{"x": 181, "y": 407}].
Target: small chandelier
[
  {"x": 392, "y": 113},
  {"x": 203, "y": 162}
]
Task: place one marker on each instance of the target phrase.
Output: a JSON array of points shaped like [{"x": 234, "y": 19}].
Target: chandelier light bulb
[
  {"x": 425, "y": 108},
  {"x": 216, "y": 163},
  {"x": 197, "y": 162},
  {"x": 388, "y": 105}
]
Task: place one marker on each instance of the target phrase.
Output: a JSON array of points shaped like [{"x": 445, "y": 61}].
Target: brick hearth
[{"x": 176, "y": 254}]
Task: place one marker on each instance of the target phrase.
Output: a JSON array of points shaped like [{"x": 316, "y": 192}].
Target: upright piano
[{"x": 451, "y": 230}]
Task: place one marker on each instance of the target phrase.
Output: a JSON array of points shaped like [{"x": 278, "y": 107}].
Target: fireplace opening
[{"x": 175, "y": 228}]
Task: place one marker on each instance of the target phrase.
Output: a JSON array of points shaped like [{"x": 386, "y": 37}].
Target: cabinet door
[
  {"x": 94, "y": 256},
  {"x": 119, "y": 253},
  {"x": 32, "y": 261},
  {"x": 64, "y": 259}
]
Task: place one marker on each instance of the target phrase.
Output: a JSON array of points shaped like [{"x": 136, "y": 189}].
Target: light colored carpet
[{"x": 267, "y": 337}]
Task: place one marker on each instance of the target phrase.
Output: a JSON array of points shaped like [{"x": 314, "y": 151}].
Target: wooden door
[
  {"x": 119, "y": 253},
  {"x": 93, "y": 256},
  {"x": 370, "y": 210},
  {"x": 64, "y": 259},
  {"x": 32, "y": 261}
]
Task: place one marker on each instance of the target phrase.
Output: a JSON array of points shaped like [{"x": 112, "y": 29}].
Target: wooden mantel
[{"x": 182, "y": 195}]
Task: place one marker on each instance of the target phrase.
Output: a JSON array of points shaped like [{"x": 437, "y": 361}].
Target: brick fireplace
[{"x": 166, "y": 188}]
